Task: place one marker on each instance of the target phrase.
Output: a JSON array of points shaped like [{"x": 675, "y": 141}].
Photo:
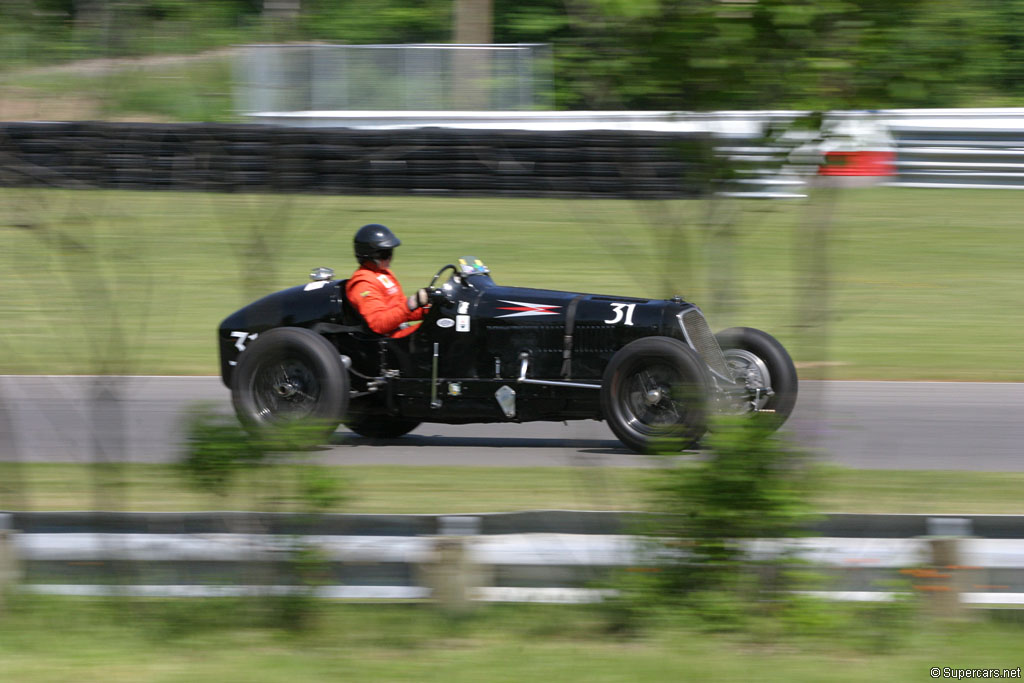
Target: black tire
[
  {"x": 743, "y": 347},
  {"x": 654, "y": 395},
  {"x": 290, "y": 375},
  {"x": 380, "y": 426}
]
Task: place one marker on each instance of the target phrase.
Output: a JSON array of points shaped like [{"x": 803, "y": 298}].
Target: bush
[
  {"x": 217, "y": 450},
  {"x": 752, "y": 485}
]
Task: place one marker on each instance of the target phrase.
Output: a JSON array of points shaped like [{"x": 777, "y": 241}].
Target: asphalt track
[{"x": 864, "y": 425}]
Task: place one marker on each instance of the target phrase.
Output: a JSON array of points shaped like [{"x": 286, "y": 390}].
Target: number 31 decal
[{"x": 623, "y": 314}]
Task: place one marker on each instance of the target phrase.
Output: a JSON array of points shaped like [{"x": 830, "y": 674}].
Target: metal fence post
[
  {"x": 451, "y": 572},
  {"x": 949, "y": 577}
]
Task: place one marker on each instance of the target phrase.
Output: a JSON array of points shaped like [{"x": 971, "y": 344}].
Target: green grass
[
  {"x": 924, "y": 284},
  {"x": 60, "y": 640},
  {"x": 437, "y": 490},
  {"x": 194, "y": 90},
  {"x": 200, "y": 91},
  {"x": 59, "y": 45}
]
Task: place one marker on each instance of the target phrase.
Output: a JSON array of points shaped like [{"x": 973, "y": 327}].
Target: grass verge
[
  {"x": 919, "y": 286},
  {"x": 436, "y": 490},
  {"x": 61, "y": 639}
]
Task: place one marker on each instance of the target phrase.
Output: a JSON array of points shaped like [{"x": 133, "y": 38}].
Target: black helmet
[{"x": 373, "y": 239}]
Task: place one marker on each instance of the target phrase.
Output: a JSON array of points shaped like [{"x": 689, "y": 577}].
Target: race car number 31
[{"x": 623, "y": 313}]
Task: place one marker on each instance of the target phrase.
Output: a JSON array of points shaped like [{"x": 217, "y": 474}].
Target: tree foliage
[
  {"x": 630, "y": 54},
  {"x": 358, "y": 22},
  {"x": 810, "y": 54}
]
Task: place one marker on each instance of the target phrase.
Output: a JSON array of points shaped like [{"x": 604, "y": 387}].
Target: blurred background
[
  {"x": 647, "y": 55},
  {"x": 840, "y": 173}
]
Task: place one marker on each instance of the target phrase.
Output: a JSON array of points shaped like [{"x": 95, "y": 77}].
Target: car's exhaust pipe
[{"x": 524, "y": 366}]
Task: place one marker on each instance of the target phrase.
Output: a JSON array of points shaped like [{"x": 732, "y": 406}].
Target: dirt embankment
[
  {"x": 19, "y": 103},
  {"x": 25, "y": 104}
]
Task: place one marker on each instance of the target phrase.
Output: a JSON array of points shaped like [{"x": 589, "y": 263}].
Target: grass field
[
  {"x": 922, "y": 284},
  {"x": 439, "y": 490},
  {"x": 63, "y": 640}
]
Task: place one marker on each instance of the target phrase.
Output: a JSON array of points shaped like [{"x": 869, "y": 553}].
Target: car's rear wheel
[
  {"x": 759, "y": 362},
  {"x": 290, "y": 376},
  {"x": 380, "y": 426},
  {"x": 654, "y": 395}
]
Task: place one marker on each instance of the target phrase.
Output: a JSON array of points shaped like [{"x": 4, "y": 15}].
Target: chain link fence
[{"x": 278, "y": 78}]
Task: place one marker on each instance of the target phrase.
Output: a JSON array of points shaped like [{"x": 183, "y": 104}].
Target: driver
[{"x": 374, "y": 290}]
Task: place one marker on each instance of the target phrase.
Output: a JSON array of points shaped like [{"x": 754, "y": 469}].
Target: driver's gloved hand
[{"x": 419, "y": 299}]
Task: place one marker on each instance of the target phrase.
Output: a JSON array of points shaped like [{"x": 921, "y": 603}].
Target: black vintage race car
[{"x": 486, "y": 353}]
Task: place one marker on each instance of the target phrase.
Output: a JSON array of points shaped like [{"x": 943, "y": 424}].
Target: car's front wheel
[
  {"x": 654, "y": 395},
  {"x": 761, "y": 364},
  {"x": 290, "y": 376}
]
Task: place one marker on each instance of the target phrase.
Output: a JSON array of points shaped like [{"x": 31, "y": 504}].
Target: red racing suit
[{"x": 378, "y": 297}]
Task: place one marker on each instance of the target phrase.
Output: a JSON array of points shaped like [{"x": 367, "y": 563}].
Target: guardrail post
[
  {"x": 9, "y": 572},
  {"x": 451, "y": 573},
  {"x": 948, "y": 577}
]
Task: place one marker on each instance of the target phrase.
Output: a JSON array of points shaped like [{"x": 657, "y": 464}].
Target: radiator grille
[{"x": 703, "y": 341}]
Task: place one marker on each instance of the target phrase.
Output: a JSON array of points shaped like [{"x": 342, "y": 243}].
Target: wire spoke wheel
[
  {"x": 654, "y": 394},
  {"x": 290, "y": 375},
  {"x": 651, "y": 399},
  {"x": 752, "y": 372},
  {"x": 285, "y": 389},
  {"x": 762, "y": 367}
]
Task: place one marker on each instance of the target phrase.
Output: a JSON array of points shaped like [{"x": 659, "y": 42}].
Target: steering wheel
[{"x": 438, "y": 274}]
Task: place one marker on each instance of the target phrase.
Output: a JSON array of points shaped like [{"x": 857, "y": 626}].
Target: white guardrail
[
  {"x": 531, "y": 566},
  {"x": 562, "y": 551}
]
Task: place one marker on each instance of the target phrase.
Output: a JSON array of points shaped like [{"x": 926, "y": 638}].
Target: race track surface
[{"x": 864, "y": 425}]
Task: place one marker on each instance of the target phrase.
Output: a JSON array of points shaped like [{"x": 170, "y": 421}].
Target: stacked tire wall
[{"x": 438, "y": 162}]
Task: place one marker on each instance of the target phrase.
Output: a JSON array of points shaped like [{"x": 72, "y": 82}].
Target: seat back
[{"x": 350, "y": 316}]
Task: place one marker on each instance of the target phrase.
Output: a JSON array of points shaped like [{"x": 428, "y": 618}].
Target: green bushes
[
  {"x": 751, "y": 485},
  {"x": 216, "y": 452},
  {"x": 702, "y": 570}
]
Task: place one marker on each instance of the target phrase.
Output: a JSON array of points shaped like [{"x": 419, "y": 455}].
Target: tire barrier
[{"x": 431, "y": 162}]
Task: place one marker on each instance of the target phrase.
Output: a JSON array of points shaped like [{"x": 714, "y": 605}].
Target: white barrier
[{"x": 553, "y": 557}]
